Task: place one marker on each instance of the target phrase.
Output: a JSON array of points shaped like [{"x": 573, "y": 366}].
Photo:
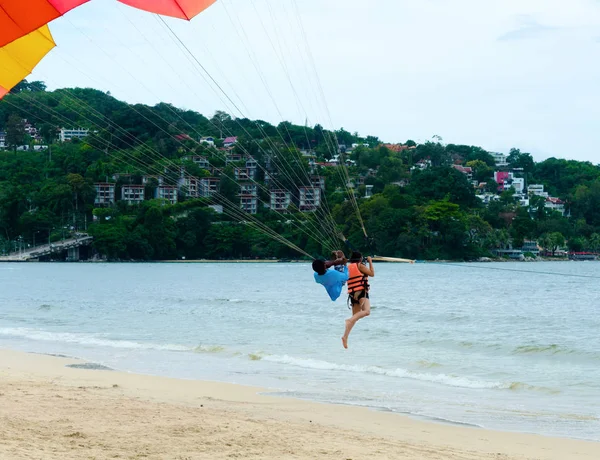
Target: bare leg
[
  {"x": 359, "y": 312},
  {"x": 355, "y": 310}
]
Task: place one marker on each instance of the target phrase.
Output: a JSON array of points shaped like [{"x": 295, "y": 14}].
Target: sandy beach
[{"x": 49, "y": 410}]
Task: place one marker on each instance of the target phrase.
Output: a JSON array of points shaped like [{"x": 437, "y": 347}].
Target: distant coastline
[{"x": 482, "y": 260}]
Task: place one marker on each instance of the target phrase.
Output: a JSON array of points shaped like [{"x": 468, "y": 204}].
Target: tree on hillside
[
  {"x": 516, "y": 159},
  {"x": 433, "y": 151},
  {"x": 15, "y": 132},
  {"x": 439, "y": 183},
  {"x": 586, "y": 202},
  {"x": 552, "y": 241},
  {"x": 577, "y": 244},
  {"x": 470, "y": 153},
  {"x": 49, "y": 133},
  {"x": 222, "y": 121},
  {"x": 481, "y": 171},
  {"x": 594, "y": 242},
  {"x": 24, "y": 85},
  {"x": 344, "y": 137}
]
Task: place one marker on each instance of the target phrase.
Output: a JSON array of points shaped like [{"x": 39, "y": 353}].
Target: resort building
[
  {"x": 310, "y": 198},
  {"x": 166, "y": 192},
  {"x": 209, "y": 186},
  {"x": 249, "y": 203},
  {"x": 280, "y": 200},
  {"x": 70, "y": 134},
  {"x": 132, "y": 194},
  {"x": 105, "y": 194},
  {"x": 189, "y": 186}
]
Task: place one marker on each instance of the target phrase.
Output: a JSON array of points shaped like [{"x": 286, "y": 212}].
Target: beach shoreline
[{"x": 50, "y": 409}]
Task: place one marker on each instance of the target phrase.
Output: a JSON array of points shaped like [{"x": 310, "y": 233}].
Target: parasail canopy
[
  {"x": 18, "y": 17},
  {"x": 18, "y": 58},
  {"x": 182, "y": 9},
  {"x": 25, "y": 38}
]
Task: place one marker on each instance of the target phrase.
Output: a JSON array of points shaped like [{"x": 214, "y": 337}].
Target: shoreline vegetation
[{"x": 100, "y": 413}]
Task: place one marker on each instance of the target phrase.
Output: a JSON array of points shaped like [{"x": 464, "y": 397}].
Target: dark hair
[
  {"x": 319, "y": 266},
  {"x": 356, "y": 257},
  {"x": 339, "y": 254}
]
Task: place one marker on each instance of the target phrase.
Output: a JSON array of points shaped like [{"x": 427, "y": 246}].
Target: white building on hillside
[
  {"x": 500, "y": 159},
  {"x": 538, "y": 190},
  {"x": 70, "y": 134},
  {"x": 518, "y": 183},
  {"x": 555, "y": 204}
]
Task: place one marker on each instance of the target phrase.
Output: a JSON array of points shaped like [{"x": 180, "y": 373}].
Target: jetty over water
[{"x": 70, "y": 245}]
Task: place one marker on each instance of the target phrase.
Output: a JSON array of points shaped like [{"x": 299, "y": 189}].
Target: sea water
[{"x": 508, "y": 346}]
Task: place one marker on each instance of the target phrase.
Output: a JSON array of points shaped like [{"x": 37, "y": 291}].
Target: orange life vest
[{"x": 357, "y": 281}]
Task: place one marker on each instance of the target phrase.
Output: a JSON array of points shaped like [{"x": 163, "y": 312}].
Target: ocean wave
[
  {"x": 552, "y": 350},
  {"x": 519, "y": 386},
  {"x": 444, "y": 379},
  {"x": 88, "y": 339},
  {"x": 428, "y": 364},
  {"x": 531, "y": 349},
  {"x": 507, "y": 350},
  {"x": 208, "y": 349}
]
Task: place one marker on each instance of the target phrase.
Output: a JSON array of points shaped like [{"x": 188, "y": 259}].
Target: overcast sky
[{"x": 494, "y": 73}]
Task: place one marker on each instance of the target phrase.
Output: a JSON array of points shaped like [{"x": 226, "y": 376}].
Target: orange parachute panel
[
  {"x": 182, "y": 9},
  {"x": 19, "y": 58},
  {"x": 20, "y": 17}
]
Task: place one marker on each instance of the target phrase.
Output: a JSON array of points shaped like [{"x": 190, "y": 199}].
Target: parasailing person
[{"x": 358, "y": 291}]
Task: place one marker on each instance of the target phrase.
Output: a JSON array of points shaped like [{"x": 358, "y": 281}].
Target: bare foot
[{"x": 346, "y": 332}]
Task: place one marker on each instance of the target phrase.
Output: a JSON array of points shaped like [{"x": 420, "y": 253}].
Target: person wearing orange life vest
[{"x": 358, "y": 291}]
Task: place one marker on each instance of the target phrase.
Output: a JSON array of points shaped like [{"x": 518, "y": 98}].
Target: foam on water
[
  {"x": 449, "y": 380},
  {"x": 208, "y": 349},
  {"x": 87, "y": 339}
]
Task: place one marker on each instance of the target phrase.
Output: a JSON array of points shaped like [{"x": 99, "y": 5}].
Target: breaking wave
[
  {"x": 553, "y": 350},
  {"x": 444, "y": 379},
  {"x": 208, "y": 349},
  {"x": 428, "y": 364},
  {"x": 96, "y": 340}
]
